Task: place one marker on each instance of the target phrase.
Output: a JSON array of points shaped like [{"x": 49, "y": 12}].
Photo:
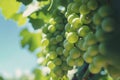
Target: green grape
[
  {"x": 93, "y": 50},
  {"x": 60, "y": 27},
  {"x": 50, "y": 64},
  {"x": 58, "y": 19},
  {"x": 59, "y": 38},
  {"x": 75, "y": 7},
  {"x": 53, "y": 40},
  {"x": 59, "y": 50},
  {"x": 52, "y": 55},
  {"x": 49, "y": 35},
  {"x": 90, "y": 39},
  {"x": 72, "y": 37},
  {"x": 58, "y": 71},
  {"x": 70, "y": 61},
  {"x": 83, "y": 31},
  {"x": 85, "y": 19},
  {"x": 108, "y": 24},
  {"x": 79, "y": 1},
  {"x": 105, "y": 11},
  {"x": 97, "y": 19},
  {"x": 71, "y": 17},
  {"x": 67, "y": 14},
  {"x": 102, "y": 48},
  {"x": 69, "y": 8},
  {"x": 57, "y": 61},
  {"x": 45, "y": 29},
  {"x": 99, "y": 61},
  {"x": 68, "y": 27},
  {"x": 65, "y": 53},
  {"x": 93, "y": 69},
  {"x": 79, "y": 61},
  {"x": 51, "y": 28},
  {"x": 84, "y": 9},
  {"x": 52, "y": 47},
  {"x": 76, "y": 23},
  {"x": 68, "y": 46},
  {"x": 45, "y": 42},
  {"x": 87, "y": 58},
  {"x": 52, "y": 21},
  {"x": 80, "y": 44},
  {"x": 64, "y": 66},
  {"x": 100, "y": 35},
  {"x": 92, "y": 4},
  {"x": 74, "y": 53}
]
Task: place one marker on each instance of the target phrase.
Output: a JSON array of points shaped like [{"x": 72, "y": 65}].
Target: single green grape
[
  {"x": 68, "y": 46},
  {"x": 97, "y": 19},
  {"x": 87, "y": 57},
  {"x": 72, "y": 37},
  {"x": 84, "y": 9},
  {"x": 51, "y": 28},
  {"x": 74, "y": 53},
  {"x": 92, "y": 4}
]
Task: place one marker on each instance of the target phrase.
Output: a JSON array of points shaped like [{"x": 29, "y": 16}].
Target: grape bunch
[
  {"x": 80, "y": 32},
  {"x": 91, "y": 26}
]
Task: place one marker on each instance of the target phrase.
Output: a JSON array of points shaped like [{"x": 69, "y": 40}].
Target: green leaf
[
  {"x": 9, "y": 8},
  {"x": 36, "y": 23},
  {"x": 19, "y": 19}
]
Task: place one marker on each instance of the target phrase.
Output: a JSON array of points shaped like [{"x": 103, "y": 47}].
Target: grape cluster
[
  {"x": 91, "y": 25},
  {"x": 81, "y": 35}
]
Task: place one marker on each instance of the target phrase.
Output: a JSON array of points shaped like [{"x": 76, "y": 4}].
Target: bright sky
[{"x": 12, "y": 57}]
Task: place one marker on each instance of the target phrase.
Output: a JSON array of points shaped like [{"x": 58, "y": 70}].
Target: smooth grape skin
[
  {"x": 76, "y": 23},
  {"x": 83, "y": 31},
  {"x": 92, "y": 4},
  {"x": 45, "y": 42},
  {"x": 71, "y": 17},
  {"x": 75, "y": 7},
  {"x": 57, "y": 61},
  {"x": 68, "y": 46},
  {"x": 94, "y": 69},
  {"x": 108, "y": 24},
  {"x": 102, "y": 48},
  {"x": 70, "y": 61},
  {"x": 74, "y": 53},
  {"x": 93, "y": 50},
  {"x": 87, "y": 58},
  {"x": 97, "y": 19},
  {"x": 72, "y": 37},
  {"x": 105, "y": 11},
  {"x": 51, "y": 28},
  {"x": 52, "y": 55},
  {"x": 79, "y": 61},
  {"x": 84, "y": 9}
]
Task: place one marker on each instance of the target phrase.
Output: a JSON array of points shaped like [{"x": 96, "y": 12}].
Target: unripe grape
[
  {"x": 102, "y": 48},
  {"x": 68, "y": 46},
  {"x": 71, "y": 17},
  {"x": 76, "y": 23},
  {"x": 45, "y": 42},
  {"x": 74, "y": 53},
  {"x": 105, "y": 11},
  {"x": 85, "y": 19},
  {"x": 51, "y": 28},
  {"x": 84, "y": 9},
  {"x": 108, "y": 24},
  {"x": 93, "y": 69},
  {"x": 87, "y": 58},
  {"x": 92, "y": 4},
  {"x": 93, "y": 50},
  {"x": 52, "y": 55},
  {"x": 50, "y": 64},
  {"x": 67, "y": 27},
  {"x": 65, "y": 52},
  {"x": 79, "y": 61},
  {"x": 57, "y": 61},
  {"x": 100, "y": 35},
  {"x": 90, "y": 39},
  {"x": 99, "y": 61},
  {"x": 59, "y": 50},
  {"x": 70, "y": 61},
  {"x": 97, "y": 19},
  {"x": 59, "y": 38},
  {"x": 83, "y": 31},
  {"x": 72, "y": 37},
  {"x": 75, "y": 7}
]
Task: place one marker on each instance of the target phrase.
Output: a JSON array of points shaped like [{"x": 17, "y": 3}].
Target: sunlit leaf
[{"x": 9, "y": 8}]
